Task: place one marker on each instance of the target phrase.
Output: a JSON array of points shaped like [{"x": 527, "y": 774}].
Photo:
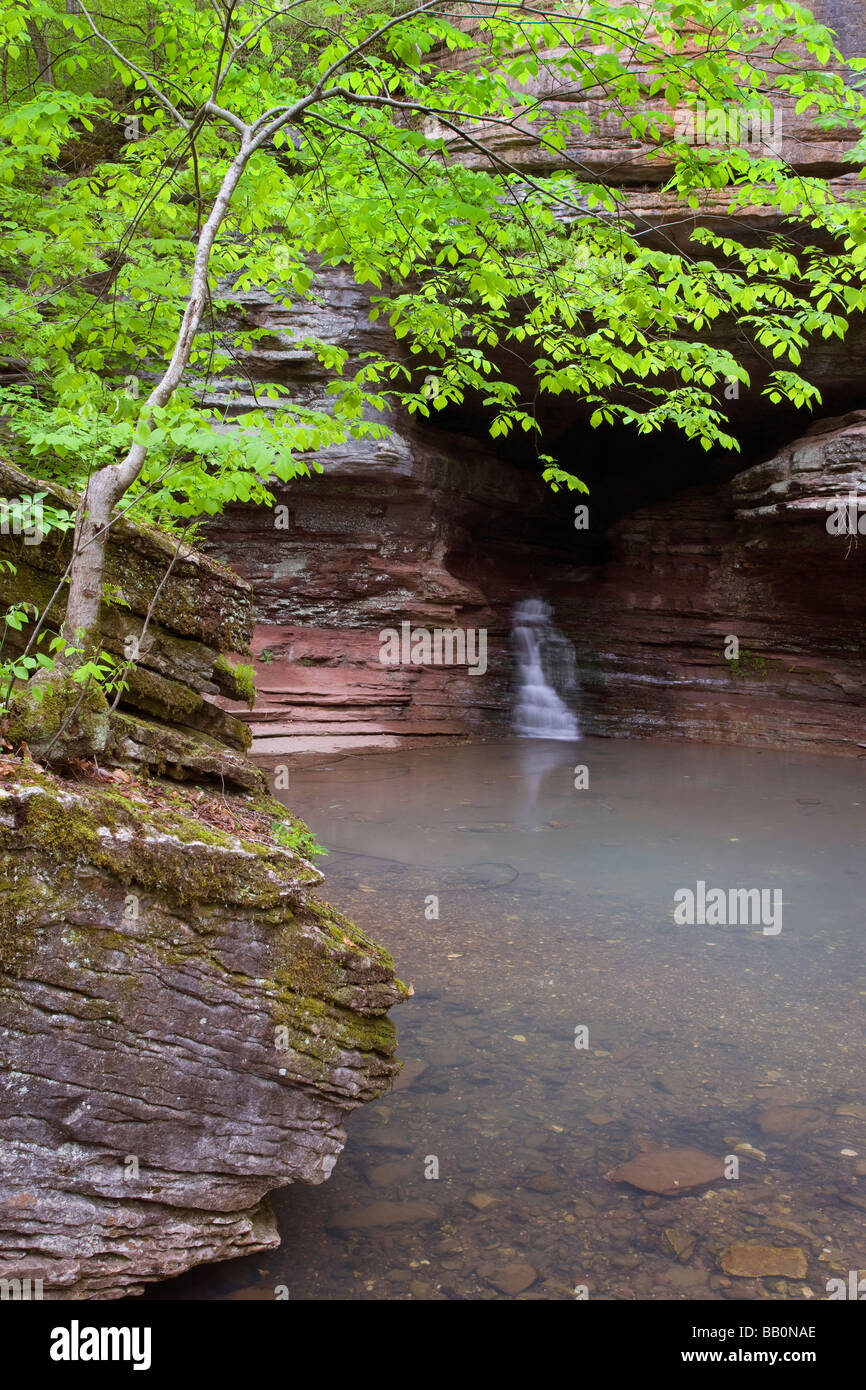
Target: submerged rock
[
  {"x": 681, "y": 1244},
  {"x": 779, "y": 1120},
  {"x": 752, "y": 1261},
  {"x": 513, "y": 1278},
  {"x": 383, "y": 1213},
  {"x": 394, "y": 1174},
  {"x": 669, "y": 1171},
  {"x": 482, "y": 1201},
  {"x": 411, "y": 1071},
  {"x": 183, "y": 1028}
]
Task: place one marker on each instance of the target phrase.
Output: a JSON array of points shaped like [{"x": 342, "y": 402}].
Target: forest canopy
[{"x": 159, "y": 159}]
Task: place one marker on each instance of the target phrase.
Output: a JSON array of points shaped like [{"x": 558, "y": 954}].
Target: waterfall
[{"x": 545, "y": 670}]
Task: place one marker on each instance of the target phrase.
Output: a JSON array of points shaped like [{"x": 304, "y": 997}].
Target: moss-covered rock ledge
[
  {"x": 177, "y": 612},
  {"x": 183, "y": 1027}
]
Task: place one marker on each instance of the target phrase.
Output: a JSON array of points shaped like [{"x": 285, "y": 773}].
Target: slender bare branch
[{"x": 152, "y": 87}]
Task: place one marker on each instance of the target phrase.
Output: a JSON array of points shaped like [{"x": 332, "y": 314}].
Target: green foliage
[
  {"x": 99, "y": 670},
  {"x": 748, "y": 664},
  {"x": 294, "y": 835},
  {"x": 24, "y": 665},
  {"x": 23, "y": 514},
  {"x": 557, "y": 478},
  {"x": 240, "y": 678},
  {"x": 112, "y": 158},
  {"x": 245, "y": 677}
]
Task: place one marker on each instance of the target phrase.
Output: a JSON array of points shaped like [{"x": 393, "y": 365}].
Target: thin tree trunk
[
  {"x": 41, "y": 52},
  {"x": 106, "y": 487},
  {"x": 85, "y": 577}
]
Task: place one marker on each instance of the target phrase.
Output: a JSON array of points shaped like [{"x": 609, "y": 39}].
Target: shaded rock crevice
[{"x": 751, "y": 560}]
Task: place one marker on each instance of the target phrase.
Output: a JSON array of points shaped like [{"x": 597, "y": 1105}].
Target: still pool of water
[{"x": 555, "y": 914}]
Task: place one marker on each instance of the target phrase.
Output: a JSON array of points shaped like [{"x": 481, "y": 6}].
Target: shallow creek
[{"x": 556, "y": 914}]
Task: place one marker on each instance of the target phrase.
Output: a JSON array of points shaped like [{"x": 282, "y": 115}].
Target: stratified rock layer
[
  {"x": 751, "y": 560},
  {"x": 454, "y": 542},
  {"x": 174, "y": 611},
  {"x": 183, "y": 1028},
  {"x": 441, "y": 543},
  {"x": 435, "y": 528}
]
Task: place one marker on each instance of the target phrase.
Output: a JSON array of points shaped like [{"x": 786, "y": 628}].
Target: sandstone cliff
[
  {"x": 431, "y": 527},
  {"x": 441, "y": 528}
]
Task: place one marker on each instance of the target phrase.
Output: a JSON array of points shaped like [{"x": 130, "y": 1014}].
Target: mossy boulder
[
  {"x": 181, "y": 754},
  {"x": 201, "y": 599},
  {"x": 176, "y": 703},
  {"x": 60, "y": 718},
  {"x": 188, "y": 1026},
  {"x": 167, "y": 613}
]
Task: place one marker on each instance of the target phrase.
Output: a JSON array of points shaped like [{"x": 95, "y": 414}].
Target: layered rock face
[
  {"x": 429, "y": 528},
  {"x": 602, "y": 149},
  {"x": 773, "y": 559},
  {"x": 171, "y": 615},
  {"x": 183, "y": 1025},
  {"x": 438, "y": 529},
  {"x": 424, "y": 527},
  {"x": 433, "y": 534},
  {"x": 184, "y": 1028}
]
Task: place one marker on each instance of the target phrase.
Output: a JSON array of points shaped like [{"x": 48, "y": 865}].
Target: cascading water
[{"x": 545, "y": 671}]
